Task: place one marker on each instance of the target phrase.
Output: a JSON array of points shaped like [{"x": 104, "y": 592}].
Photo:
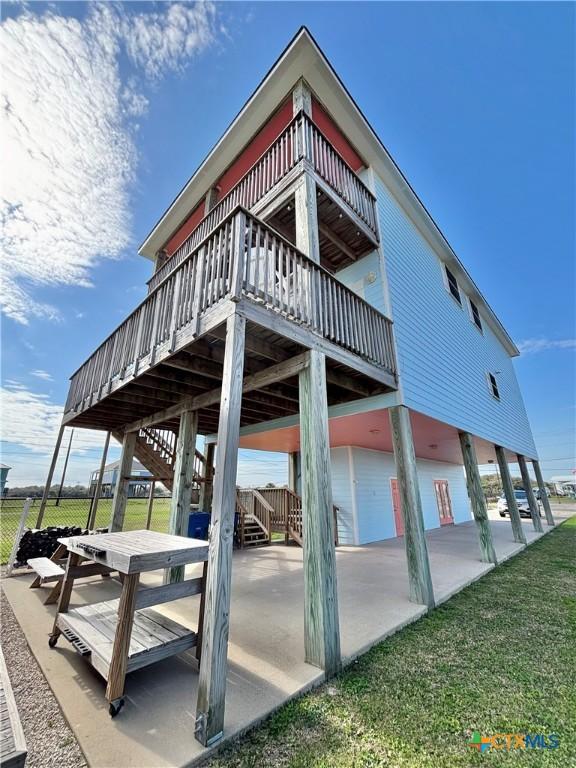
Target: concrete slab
[{"x": 156, "y": 727}]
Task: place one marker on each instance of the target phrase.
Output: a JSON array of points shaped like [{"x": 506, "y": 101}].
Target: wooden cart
[{"x": 119, "y": 636}]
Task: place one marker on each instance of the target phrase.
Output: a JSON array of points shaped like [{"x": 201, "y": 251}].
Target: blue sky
[{"x": 473, "y": 100}]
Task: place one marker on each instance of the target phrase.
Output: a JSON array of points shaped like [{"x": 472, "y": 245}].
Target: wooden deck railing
[
  {"x": 250, "y": 503},
  {"x": 286, "y": 512},
  {"x": 242, "y": 258},
  {"x": 300, "y": 140}
]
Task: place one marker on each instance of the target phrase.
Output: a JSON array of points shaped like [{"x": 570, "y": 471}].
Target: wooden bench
[
  {"x": 12, "y": 743},
  {"x": 46, "y": 569}
]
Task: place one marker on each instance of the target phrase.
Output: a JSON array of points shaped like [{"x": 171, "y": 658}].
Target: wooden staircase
[
  {"x": 264, "y": 511},
  {"x": 156, "y": 450},
  {"x": 254, "y": 519}
]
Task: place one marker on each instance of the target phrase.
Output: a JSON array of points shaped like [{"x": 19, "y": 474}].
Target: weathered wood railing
[
  {"x": 300, "y": 140},
  {"x": 286, "y": 512},
  {"x": 242, "y": 258},
  {"x": 249, "y": 502},
  {"x": 279, "y": 276},
  {"x": 163, "y": 442}
]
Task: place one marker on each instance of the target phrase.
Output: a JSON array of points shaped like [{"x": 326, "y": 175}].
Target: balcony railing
[
  {"x": 300, "y": 140},
  {"x": 242, "y": 259}
]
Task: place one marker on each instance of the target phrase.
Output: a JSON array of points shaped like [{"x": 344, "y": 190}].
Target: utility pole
[{"x": 64, "y": 470}]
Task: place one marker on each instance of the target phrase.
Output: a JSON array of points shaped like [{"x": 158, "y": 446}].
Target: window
[
  {"x": 453, "y": 286},
  {"x": 475, "y": 315},
  {"x": 494, "y": 386}
]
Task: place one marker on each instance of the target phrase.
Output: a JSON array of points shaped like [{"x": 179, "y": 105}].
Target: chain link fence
[{"x": 76, "y": 512}]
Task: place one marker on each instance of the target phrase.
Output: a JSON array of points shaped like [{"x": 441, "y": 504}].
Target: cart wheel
[
  {"x": 115, "y": 707},
  {"x": 52, "y": 640}
]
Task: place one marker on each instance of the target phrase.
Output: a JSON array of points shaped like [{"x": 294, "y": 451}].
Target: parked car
[{"x": 521, "y": 501}]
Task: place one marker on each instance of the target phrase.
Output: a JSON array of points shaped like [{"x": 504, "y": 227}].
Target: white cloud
[
  {"x": 163, "y": 41},
  {"x": 531, "y": 346},
  {"x": 42, "y": 375},
  {"x": 30, "y": 420},
  {"x": 67, "y": 123},
  {"x": 29, "y": 424}
]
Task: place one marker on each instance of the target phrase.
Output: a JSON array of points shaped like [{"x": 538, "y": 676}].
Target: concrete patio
[{"x": 266, "y": 667}]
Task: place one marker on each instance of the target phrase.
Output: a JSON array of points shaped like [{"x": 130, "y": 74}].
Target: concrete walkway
[{"x": 156, "y": 727}]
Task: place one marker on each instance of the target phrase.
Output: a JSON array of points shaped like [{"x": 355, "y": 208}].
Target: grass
[
  {"x": 497, "y": 658},
  {"x": 75, "y": 512}
]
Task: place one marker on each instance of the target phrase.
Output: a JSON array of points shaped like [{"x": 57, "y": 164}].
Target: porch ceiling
[
  {"x": 433, "y": 439},
  {"x": 341, "y": 241}
]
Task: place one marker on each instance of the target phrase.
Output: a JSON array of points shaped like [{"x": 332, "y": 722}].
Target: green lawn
[
  {"x": 500, "y": 657},
  {"x": 75, "y": 512}
]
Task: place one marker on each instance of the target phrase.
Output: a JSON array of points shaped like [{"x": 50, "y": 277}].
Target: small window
[
  {"x": 494, "y": 386},
  {"x": 453, "y": 285},
  {"x": 475, "y": 315}
]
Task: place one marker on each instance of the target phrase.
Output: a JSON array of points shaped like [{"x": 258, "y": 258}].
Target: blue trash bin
[{"x": 198, "y": 523}]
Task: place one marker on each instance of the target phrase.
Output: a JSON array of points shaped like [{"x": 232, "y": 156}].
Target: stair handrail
[{"x": 260, "y": 509}]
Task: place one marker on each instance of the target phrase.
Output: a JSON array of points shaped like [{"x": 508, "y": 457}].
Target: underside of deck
[{"x": 197, "y": 370}]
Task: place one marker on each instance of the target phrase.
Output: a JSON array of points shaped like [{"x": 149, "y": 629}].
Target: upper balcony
[
  {"x": 346, "y": 208},
  {"x": 170, "y": 345}
]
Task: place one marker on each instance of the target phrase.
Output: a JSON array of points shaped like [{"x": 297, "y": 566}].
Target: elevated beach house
[{"x": 303, "y": 300}]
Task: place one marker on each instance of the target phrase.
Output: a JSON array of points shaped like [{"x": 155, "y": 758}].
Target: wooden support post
[
  {"x": 213, "y": 666},
  {"x": 18, "y": 536},
  {"x": 123, "y": 481},
  {"x": 49, "y": 478},
  {"x": 477, "y": 498},
  {"x": 307, "y": 218},
  {"x": 150, "y": 504},
  {"x": 119, "y": 662},
  {"x": 205, "y": 501},
  {"x": 98, "y": 489},
  {"x": 532, "y": 503},
  {"x": 517, "y": 529},
  {"x": 293, "y": 471},
  {"x": 321, "y": 627},
  {"x": 419, "y": 576},
  {"x": 543, "y": 494},
  {"x": 302, "y": 98},
  {"x": 182, "y": 488},
  {"x": 201, "y": 611},
  {"x": 210, "y": 200},
  {"x": 61, "y": 486},
  {"x": 65, "y": 594}
]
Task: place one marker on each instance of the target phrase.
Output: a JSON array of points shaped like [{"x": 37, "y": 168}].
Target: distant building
[
  {"x": 3, "y": 477},
  {"x": 137, "y": 488}
]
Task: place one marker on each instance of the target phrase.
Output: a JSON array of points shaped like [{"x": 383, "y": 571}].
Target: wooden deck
[
  {"x": 301, "y": 146},
  {"x": 172, "y": 344}
]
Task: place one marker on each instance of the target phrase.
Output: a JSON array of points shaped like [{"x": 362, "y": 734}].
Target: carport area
[{"x": 266, "y": 653}]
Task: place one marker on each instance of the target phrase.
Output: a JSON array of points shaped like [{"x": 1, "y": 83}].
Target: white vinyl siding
[
  {"x": 361, "y": 487},
  {"x": 442, "y": 358}
]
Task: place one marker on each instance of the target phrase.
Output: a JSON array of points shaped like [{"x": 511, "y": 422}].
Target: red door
[
  {"x": 443, "y": 501},
  {"x": 397, "y": 506}
]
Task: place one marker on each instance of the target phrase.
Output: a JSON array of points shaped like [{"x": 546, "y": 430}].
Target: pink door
[
  {"x": 397, "y": 507},
  {"x": 443, "y": 501}
]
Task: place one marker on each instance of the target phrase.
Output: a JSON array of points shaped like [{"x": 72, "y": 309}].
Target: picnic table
[{"x": 121, "y": 635}]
